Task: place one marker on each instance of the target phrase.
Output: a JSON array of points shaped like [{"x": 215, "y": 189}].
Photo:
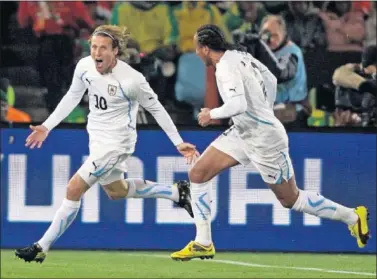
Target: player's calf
[{"x": 116, "y": 190}]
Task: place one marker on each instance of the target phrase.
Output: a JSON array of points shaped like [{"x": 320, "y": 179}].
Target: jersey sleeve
[
  {"x": 229, "y": 81},
  {"x": 146, "y": 97},
  {"x": 230, "y": 84},
  {"x": 70, "y": 100}
]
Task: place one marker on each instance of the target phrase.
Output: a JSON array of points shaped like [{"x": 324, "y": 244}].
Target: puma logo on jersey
[
  {"x": 95, "y": 168},
  {"x": 232, "y": 89}
]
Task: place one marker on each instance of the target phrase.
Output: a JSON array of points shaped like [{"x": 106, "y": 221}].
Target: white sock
[
  {"x": 317, "y": 205},
  {"x": 201, "y": 206},
  {"x": 140, "y": 188},
  {"x": 62, "y": 220}
]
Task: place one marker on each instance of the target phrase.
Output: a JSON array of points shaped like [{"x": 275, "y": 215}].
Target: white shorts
[
  {"x": 273, "y": 166},
  {"x": 103, "y": 166}
]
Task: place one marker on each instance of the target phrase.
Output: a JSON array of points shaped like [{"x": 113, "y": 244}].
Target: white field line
[{"x": 267, "y": 265}]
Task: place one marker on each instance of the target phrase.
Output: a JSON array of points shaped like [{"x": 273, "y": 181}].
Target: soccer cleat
[
  {"x": 184, "y": 196},
  {"x": 360, "y": 229},
  {"x": 194, "y": 250},
  {"x": 31, "y": 253}
]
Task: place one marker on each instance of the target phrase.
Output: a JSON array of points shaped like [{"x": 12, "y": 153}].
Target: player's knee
[
  {"x": 76, "y": 188},
  {"x": 198, "y": 175}
]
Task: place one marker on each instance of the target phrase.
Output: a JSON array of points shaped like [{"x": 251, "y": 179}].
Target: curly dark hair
[{"x": 213, "y": 37}]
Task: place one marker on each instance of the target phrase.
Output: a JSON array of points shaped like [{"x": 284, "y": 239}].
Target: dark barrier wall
[{"x": 246, "y": 214}]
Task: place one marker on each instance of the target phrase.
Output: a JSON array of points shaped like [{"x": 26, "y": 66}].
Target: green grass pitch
[{"x": 130, "y": 264}]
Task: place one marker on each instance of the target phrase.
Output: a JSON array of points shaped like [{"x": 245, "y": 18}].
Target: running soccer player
[
  {"x": 248, "y": 90},
  {"x": 115, "y": 92}
]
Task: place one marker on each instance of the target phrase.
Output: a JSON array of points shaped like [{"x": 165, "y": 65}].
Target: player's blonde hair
[{"x": 119, "y": 36}]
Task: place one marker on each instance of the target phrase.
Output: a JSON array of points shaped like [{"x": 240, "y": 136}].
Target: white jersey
[
  {"x": 114, "y": 99},
  {"x": 239, "y": 74}
]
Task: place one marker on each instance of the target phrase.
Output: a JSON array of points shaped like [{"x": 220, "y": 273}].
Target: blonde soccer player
[{"x": 115, "y": 92}]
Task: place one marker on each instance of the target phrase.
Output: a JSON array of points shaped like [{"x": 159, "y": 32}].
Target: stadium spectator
[
  {"x": 190, "y": 83},
  {"x": 150, "y": 25},
  {"x": 7, "y": 100},
  {"x": 56, "y": 24},
  {"x": 100, "y": 11},
  {"x": 275, "y": 7},
  {"x": 345, "y": 28},
  {"x": 355, "y": 98},
  {"x": 242, "y": 15},
  {"x": 370, "y": 27},
  {"x": 291, "y": 106},
  {"x": 304, "y": 25},
  {"x": 3, "y": 105},
  {"x": 362, "y": 6},
  {"x": 148, "y": 22}
]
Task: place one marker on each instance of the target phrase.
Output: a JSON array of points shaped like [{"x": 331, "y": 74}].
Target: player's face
[
  {"x": 202, "y": 52},
  {"x": 103, "y": 53},
  {"x": 277, "y": 35}
]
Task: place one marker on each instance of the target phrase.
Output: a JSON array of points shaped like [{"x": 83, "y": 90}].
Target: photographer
[
  {"x": 284, "y": 59},
  {"x": 355, "y": 94}
]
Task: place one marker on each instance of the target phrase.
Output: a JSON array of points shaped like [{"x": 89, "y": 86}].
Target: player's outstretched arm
[
  {"x": 149, "y": 100},
  {"x": 70, "y": 100},
  {"x": 64, "y": 108},
  {"x": 37, "y": 137}
]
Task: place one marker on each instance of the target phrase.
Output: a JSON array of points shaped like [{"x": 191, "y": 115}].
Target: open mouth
[{"x": 99, "y": 63}]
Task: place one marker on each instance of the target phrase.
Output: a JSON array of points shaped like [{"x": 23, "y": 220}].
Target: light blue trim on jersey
[
  {"x": 103, "y": 170},
  {"x": 129, "y": 106},
  {"x": 280, "y": 179},
  {"x": 259, "y": 120}
]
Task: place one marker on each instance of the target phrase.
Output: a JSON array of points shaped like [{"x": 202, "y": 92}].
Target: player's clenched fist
[
  {"x": 37, "y": 137},
  {"x": 204, "y": 117}
]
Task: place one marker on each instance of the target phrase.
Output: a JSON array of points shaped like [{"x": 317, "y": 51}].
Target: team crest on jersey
[{"x": 112, "y": 90}]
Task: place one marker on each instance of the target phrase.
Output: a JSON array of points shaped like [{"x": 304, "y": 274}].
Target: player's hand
[
  {"x": 204, "y": 118},
  {"x": 37, "y": 137},
  {"x": 189, "y": 151}
]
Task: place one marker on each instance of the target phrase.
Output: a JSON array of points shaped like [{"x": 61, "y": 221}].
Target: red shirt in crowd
[{"x": 51, "y": 17}]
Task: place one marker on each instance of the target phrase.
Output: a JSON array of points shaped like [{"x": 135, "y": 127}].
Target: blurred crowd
[{"x": 323, "y": 54}]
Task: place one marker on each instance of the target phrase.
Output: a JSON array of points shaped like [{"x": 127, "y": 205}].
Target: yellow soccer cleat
[
  {"x": 360, "y": 230},
  {"x": 194, "y": 250}
]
